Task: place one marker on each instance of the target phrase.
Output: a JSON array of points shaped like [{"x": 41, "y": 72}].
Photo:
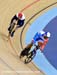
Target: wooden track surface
[{"x": 10, "y": 64}]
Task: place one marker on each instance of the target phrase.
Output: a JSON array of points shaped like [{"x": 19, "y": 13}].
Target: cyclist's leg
[
  {"x": 34, "y": 51},
  {"x": 26, "y": 50},
  {"x": 14, "y": 29},
  {"x": 13, "y": 20},
  {"x": 20, "y": 23},
  {"x": 29, "y": 46}
]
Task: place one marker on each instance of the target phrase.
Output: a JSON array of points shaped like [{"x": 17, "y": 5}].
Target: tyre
[{"x": 30, "y": 57}]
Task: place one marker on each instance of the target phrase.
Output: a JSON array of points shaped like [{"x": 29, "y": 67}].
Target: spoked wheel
[{"x": 30, "y": 57}]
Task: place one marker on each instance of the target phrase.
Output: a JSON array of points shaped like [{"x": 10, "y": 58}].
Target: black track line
[{"x": 31, "y": 19}]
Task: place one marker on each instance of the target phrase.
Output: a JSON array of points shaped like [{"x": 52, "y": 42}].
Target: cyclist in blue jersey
[{"x": 39, "y": 40}]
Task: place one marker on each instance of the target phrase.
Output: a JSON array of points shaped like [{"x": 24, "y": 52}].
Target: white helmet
[
  {"x": 20, "y": 15},
  {"x": 42, "y": 32},
  {"x": 48, "y": 34},
  {"x": 45, "y": 33}
]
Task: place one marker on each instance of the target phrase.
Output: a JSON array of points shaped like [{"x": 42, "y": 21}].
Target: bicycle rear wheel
[{"x": 30, "y": 57}]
